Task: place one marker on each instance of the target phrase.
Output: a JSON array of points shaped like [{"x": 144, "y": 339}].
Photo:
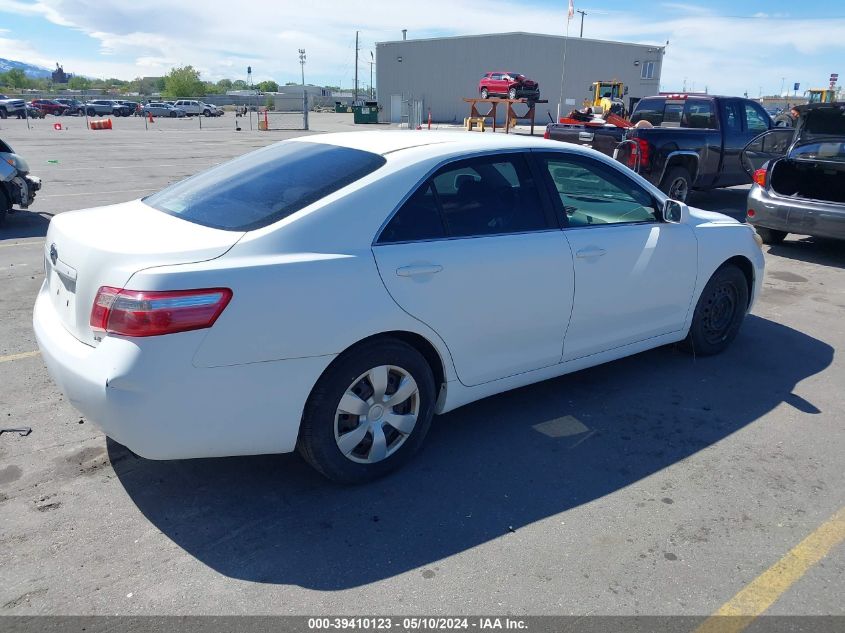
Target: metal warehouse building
[{"x": 440, "y": 72}]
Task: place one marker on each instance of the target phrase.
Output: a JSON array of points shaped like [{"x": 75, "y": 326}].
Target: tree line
[{"x": 183, "y": 81}]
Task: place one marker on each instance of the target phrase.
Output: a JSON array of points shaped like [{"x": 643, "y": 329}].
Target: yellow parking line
[
  {"x": 11, "y": 357},
  {"x": 763, "y": 591}
]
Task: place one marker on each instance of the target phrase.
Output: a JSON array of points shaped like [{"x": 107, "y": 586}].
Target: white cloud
[{"x": 222, "y": 38}]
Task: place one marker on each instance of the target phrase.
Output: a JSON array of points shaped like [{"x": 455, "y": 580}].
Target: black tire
[
  {"x": 719, "y": 312},
  {"x": 5, "y": 205},
  {"x": 677, "y": 184},
  {"x": 3, "y": 114},
  {"x": 770, "y": 236},
  {"x": 172, "y": 115},
  {"x": 317, "y": 443},
  {"x": 206, "y": 112},
  {"x": 485, "y": 94},
  {"x": 512, "y": 93}
]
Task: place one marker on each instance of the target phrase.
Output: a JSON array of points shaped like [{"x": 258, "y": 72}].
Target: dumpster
[
  {"x": 341, "y": 107},
  {"x": 365, "y": 113}
]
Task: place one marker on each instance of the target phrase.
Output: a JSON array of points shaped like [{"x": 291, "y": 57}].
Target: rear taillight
[
  {"x": 141, "y": 313},
  {"x": 640, "y": 153},
  {"x": 760, "y": 177}
]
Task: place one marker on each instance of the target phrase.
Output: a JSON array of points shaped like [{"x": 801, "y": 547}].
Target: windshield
[{"x": 265, "y": 186}]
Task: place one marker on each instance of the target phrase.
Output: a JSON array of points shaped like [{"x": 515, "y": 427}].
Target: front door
[
  {"x": 634, "y": 274},
  {"x": 476, "y": 255}
]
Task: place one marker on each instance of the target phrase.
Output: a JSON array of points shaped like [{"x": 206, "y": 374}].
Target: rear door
[
  {"x": 634, "y": 274},
  {"x": 475, "y": 253}
]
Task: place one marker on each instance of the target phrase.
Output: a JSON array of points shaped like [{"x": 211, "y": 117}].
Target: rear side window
[
  {"x": 650, "y": 110},
  {"x": 265, "y": 186},
  {"x": 699, "y": 114},
  {"x": 475, "y": 197}
]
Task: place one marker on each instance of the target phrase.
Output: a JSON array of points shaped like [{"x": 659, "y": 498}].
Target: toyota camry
[{"x": 333, "y": 293}]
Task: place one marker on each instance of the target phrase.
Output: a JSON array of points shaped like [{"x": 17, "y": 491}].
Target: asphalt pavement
[{"x": 659, "y": 484}]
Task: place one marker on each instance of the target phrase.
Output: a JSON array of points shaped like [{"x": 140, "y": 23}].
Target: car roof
[{"x": 437, "y": 143}]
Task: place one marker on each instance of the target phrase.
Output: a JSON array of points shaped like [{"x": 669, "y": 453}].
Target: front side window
[
  {"x": 593, "y": 194},
  {"x": 265, "y": 186},
  {"x": 756, "y": 121},
  {"x": 475, "y": 197}
]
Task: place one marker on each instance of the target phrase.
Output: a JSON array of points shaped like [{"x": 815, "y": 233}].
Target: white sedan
[{"x": 333, "y": 293}]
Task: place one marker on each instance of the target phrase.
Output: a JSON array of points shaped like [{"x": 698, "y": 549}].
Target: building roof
[{"x": 515, "y": 34}]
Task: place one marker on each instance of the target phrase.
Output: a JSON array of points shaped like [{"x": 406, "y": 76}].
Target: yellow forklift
[{"x": 607, "y": 96}]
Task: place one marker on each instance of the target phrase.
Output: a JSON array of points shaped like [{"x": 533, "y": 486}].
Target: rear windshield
[
  {"x": 265, "y": 186},
  {"x": 690, "y": 113}
]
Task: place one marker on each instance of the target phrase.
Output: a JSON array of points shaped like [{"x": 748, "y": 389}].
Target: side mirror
[
  {"x": 626, "y": 90},
  {"x": 675, "y": 212}
]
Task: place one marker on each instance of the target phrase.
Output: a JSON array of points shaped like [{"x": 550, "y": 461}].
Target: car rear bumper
[
  {"x": 793, "y": 215},
  {"x": 146, "y": 393}
]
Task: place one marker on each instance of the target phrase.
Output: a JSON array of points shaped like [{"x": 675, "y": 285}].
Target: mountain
[{"x": 37, "y": 72}]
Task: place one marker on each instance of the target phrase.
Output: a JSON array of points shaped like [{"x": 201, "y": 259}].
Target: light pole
[
  {"x": 304, "y": 93},
  {"x": 583, "y": 13}
]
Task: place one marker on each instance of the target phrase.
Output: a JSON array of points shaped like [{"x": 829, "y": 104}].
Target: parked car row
[{"x": 38, "y": 108}]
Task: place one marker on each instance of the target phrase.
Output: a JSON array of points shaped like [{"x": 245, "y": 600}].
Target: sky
[{"x": 725, "y": 46}]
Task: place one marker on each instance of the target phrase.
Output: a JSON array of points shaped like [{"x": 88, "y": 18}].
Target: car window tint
[
  {"x": 417, "y": 219},
  {"x": 755, "y": 120},
  {"x": 699, "y": 114},
  {"x": 265, "y": 186},
  {"x": 593, "y": 193},
  {"x": 672, "y": 114},
  {"x": 650, "y": 110},
  {"x": 488, "y": 196}
]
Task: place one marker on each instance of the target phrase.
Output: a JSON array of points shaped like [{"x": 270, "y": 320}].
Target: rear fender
[{"x": 687, "y": 159}]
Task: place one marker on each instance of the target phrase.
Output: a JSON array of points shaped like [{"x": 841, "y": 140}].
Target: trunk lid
[{"x": 107, "y": 245}]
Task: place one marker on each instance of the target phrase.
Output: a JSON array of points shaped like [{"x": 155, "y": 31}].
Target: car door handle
[
  {"x": 410, "y": 271},
  {"x": 590, "y": 252}
]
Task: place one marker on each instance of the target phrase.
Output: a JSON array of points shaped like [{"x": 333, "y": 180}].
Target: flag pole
[{"x": 569, "y": 14}]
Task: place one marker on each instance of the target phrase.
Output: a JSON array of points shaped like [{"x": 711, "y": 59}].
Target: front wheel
[
  {"x": 719, "y": 312},
  {"x": 3, "y": 114},
  {"x": 770, "y": 236},
  {"x": 173, "y": 115},
  {"x": 484, "y": 93},
  {"x": 677, "y": 184},
  {"x": 369, "y": 412}
]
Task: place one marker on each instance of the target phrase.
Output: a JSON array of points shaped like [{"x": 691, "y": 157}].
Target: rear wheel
[
  {"x": 3, "y": 114},
  {"x": 719, "y": 312},
  {"x": 512, "y": 93},
  {"x": 369, "y": 412},
  {"x": 770, "y": 236},
  {"x": 484, "y": 93},
  {"x": 172, "y": 115},
  {"x": 5, "y": 205},
  {"x": 677, "y": 184}
]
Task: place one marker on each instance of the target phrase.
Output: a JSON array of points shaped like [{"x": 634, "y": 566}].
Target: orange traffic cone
[{"x": 107, "y": 124}]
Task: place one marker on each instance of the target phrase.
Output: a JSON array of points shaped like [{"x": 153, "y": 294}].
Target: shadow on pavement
[
  {"x": 484, "y": 470},
  {"x": 814, "y": 250},
  {"x": 728, "y": 201},
  {"x": 21, "y": 224}
]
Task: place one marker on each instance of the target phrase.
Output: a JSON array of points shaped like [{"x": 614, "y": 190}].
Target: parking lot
[{"x": 659, "y": 484}]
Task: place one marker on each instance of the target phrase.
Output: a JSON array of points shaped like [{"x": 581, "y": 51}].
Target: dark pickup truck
[{"x": 682, "y": 142}]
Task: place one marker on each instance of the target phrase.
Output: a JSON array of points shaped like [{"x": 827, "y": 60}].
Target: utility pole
[
  {"x": 356, "y": 65},
  {"x": 583, "y": 13},
  {"x": 304, "y": 91},
  {"x": 372, "y": 92}
]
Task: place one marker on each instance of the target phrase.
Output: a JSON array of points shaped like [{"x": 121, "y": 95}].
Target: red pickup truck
[{"x": 508, "y": 84}]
